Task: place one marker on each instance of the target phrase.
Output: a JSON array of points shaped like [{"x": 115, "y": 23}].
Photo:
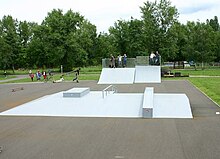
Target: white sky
[{"x": 103, "y": 13}]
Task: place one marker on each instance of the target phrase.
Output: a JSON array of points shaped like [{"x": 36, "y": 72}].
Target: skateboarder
[{"x": 77, "y": 74}]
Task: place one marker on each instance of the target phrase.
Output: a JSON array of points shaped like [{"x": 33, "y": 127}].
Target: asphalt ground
[{"x": 108, "y": 138}]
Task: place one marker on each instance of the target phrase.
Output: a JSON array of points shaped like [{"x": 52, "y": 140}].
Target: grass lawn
[
  {"x": 206, "y": 72},
  {"x": 210, "y": 86},
  {"x": 2, "y": 77}
]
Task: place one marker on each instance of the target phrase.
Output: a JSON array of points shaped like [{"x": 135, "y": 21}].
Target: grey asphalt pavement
[{"x": 108, "y": 138}]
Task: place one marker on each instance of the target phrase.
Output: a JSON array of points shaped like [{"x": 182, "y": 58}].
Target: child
[{"x": 32, "y": 77}]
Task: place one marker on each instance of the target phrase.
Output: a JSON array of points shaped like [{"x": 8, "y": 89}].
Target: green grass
[
  {"x": 94, "y": 69},
  {"x": 210, "y": 86},
  {"x": 8, "y": 77},
  {"x": 206, "y": 72}
]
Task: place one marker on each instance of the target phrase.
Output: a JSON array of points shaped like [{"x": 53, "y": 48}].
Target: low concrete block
[
  {"x": 148, "y": 102},
  {"x": 76, "y": 92}
]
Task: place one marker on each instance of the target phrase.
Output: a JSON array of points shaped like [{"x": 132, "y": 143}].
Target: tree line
[{"x": 69, "y": 39}]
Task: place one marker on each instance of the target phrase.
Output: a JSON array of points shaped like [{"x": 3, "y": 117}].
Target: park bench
[{"x": 169, "y": 74}]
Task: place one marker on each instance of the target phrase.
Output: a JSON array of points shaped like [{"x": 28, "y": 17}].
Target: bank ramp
[
  {"x": 117, "y": 76},
  {"x": 139, "y": 74},
  {"x": 147, "y": 74}
]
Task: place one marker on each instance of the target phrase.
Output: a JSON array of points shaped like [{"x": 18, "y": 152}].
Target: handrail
[{"x": 106, "y": 91}]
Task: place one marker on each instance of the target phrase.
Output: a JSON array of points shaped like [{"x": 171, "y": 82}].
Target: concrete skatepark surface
[
  {"x": 98, "y": 138},
  {"x": 94, "y": 104}
]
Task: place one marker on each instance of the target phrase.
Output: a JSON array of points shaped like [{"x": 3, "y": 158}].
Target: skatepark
[
  {"x": 112, "y": 120},
  {"x": 81, "y": 102},
  {"x": 73, "y": 137}
]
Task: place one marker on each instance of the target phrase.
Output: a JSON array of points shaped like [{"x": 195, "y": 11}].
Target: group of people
[
  {"x": 45, "y": 77},
  {"x": 39, "y": 75},
  {"x": 120, "y": 61},
  {"x": 155, "y": 58}
]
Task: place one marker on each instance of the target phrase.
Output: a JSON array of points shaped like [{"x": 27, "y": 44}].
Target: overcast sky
[{"x": 103, "y": 13}]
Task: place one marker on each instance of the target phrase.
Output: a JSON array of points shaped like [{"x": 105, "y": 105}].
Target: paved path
[
  {"x": 13, "y": 79},
  {"x": 108, "y": 138}
]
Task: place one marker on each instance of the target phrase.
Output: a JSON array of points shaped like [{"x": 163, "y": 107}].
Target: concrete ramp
[
  {"x": 117, "y": 76},
  {"x": 124, "y": 105},
  {"x": 165, "y": 105},
  {"x": 139, "y": 74},
  {"x": 147, "y": 74},
  {"x": 171, "y": 106}
]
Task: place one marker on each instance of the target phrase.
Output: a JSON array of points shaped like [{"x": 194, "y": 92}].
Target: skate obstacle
[
  {"x": 76, "y": 92},
  {"x": 139, "y": 74},
  {"x": 81, "y": 102},
  {"x": 108, "y": 90},
  {"x": 147, "y": 74},
  {"x": 148, "y": 102},
  {"x": 117, "y": 76}
]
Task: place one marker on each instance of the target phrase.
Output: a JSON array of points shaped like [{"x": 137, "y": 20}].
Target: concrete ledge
[
  {"x": 76, "y": 92},
  {"x": 148, "y": 102}
]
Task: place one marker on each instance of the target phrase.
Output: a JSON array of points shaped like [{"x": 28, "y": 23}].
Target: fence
[{"x": 182, "y": 64}]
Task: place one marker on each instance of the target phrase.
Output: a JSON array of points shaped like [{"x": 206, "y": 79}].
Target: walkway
[{"x": 13, "y": 79}]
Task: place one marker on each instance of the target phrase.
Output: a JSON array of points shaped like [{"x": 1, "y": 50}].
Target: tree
[
  {"x": 86, "y": 37},
  {"x": 63, "y": 39},
  {"x": 5, "y": 54},
  {"x": 104, "y": 47},
  {"x": 38, "y": 49},
  {"x": 158, "y": 18},
  {"x": 216, "y": 27},
  {"x": 25, "y": 34},
  {"x": 127, "y": 37},
  {"x": 214, "y": 23},
  {"x": 217, "y": 50},
  {"x": 120, "y": 36},
  {"x": 136, "y": 45},
  {"x": 179, "y": 40},
  {"x": 9, "y": 40},
  {"x": 200, "y": 46}
]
